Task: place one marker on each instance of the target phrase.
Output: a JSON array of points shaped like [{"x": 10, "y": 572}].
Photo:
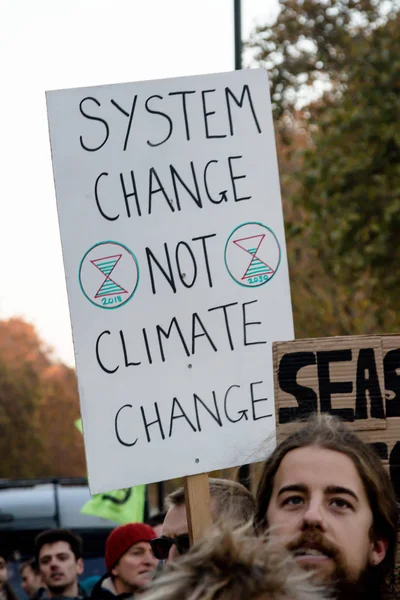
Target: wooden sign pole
[{"x": 197, "y": 500}]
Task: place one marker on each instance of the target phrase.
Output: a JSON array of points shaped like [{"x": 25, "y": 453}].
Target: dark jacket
[
  {"x": 105, "y": 590},
  {"x": 43, "y": 594}
]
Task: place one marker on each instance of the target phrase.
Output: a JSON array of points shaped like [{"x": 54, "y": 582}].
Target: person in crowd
[
  {"x": 230, "y": 502},
  {"x": 59, "y": 557},
  {"x": 87, "y": 584},
  {"x": 233, "y": 565},
  {"x": 31, "y": 580},
  {"x": 327, "y": 496},
  {"x": 130, "y": 563},
  {"x": 6, "y": 591},
  {"x": 156, "y": 522}
]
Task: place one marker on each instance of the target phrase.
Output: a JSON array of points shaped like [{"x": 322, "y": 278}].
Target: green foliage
[
  {"x": 313, "y": 41},
  {"x": 351, "y": 180},
  {"x": 341, "y": 184}
]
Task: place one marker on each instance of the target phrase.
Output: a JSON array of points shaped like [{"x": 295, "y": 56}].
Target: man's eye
[
  {"x": 340, "y": 503},
  {"x": 293, "y": 501}
]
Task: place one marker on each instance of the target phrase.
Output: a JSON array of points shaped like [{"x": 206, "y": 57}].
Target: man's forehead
[
  {"x": 55, "y": 548},
  {"x": 313, "y": 465},
  {"x": 142, "y": 545},
  {"x": 175, "y": 522}
]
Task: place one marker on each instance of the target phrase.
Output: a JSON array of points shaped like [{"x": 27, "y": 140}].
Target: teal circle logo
[
  {"x": 109, "y": 275},
  {"x": 252, "y": 254}
]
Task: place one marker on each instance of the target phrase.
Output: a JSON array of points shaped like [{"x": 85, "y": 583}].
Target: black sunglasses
[{"x": 162, "y": 545}]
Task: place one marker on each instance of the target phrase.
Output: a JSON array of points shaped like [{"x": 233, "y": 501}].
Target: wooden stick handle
[{"x": 197, "y": 500}]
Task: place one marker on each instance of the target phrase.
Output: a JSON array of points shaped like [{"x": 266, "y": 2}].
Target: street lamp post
[
  {"x": 238, "y": 33},
  {"x": 244, "y": 470}
]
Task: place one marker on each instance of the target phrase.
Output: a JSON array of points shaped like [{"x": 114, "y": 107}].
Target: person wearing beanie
[{"x": 130, "y": 563}]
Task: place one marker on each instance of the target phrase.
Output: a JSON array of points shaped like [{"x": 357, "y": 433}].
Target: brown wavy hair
[
  {"x": 233, "y": 565},
  {"x": 327, "y": 431}
]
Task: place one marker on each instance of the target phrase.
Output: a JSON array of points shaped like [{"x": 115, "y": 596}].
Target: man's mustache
[{"x": 315, "y": 540}]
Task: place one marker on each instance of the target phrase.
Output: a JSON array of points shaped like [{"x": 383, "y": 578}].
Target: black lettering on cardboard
[
  {"x": 168, "y": 276},
  {"x": 153, "y": 176},
  {"x": 203, "y": 239},
  {"x": 246, "y": 91},
  {"x": 195, "y": 195},
  {"x": 366, "y": 364},
  {"x": 183, "y": 94},
  {"x": 213, "y": 200},
  {"x": 247, "y": 324},
  {"x": 96, "y": 195},
  {"x": 99, "y": 361},
  {"x": 196, "y": 319},
  {"x": 148, "y": 425},
  {"x": 164, "y": 115},
  {"x": 131, "y": 194},
  {"x": 391, "y": 368},
  {"x": 121, "y": 441},
  {"x": 93, "y": 118},
  {"x": 254, "y": 401},
  {"x": 129, "y": 115},
  {"x": 166, "y": 334},
  {"x": 228, "y": 329},
  {"x": 307, "y": 400},
  {"x": 146, "y": 343},
  {"x": 216, "y": 416},
  {"x": 208, "y": 114},
  {"x": 381, "y": 449},
  {"x": 235, "y": 177},
  {"x": 182, "y": 415},
  {"x": 183, "y": 276},
  {"x": 328, "y": 387},
  {"x": 242, "y": 413},
  {"x": 127, "y": 363}
]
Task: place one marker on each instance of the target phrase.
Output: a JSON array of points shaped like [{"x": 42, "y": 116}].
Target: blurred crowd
[{"x": 323, "y": 524}]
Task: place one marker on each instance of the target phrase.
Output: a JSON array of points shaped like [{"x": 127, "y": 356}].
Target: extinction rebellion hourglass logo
[
  {"x": 252, "y": 254},
  {"x": 109, "y": 274}
]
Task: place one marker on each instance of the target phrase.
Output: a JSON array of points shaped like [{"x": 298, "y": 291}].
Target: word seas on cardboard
[
  {"x": 356, "y": 378},
  {"x": 174, "y": 251}
]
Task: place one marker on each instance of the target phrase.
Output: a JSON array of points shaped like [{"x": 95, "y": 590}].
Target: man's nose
[
  {"x": 150, "y": 559},
  {"x": 173, "y": 553},
  {"x": 314, "y": 515}
]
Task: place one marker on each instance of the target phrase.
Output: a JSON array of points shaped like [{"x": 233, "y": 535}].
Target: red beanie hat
[{"x": 122, "y": 538}]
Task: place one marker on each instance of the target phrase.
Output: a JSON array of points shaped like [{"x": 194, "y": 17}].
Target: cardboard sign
[
  {"x": 174, "y": 252},
  {"x": 354, "y": 377}
]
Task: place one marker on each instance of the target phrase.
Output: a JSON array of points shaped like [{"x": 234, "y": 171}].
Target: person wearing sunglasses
[
  {"x": 233, "y": 565},
  {"x": 162, "y": 545},
  {"x": 230, "y": 502}
]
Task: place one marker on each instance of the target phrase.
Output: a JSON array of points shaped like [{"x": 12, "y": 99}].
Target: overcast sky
[{"x": 52, "y": 44}]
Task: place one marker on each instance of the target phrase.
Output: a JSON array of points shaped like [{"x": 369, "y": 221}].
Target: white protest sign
[{"x": 174, "y": 251}]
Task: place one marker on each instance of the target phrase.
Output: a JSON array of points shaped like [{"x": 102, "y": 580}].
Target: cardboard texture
[{"x": 354, "y": 377}]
